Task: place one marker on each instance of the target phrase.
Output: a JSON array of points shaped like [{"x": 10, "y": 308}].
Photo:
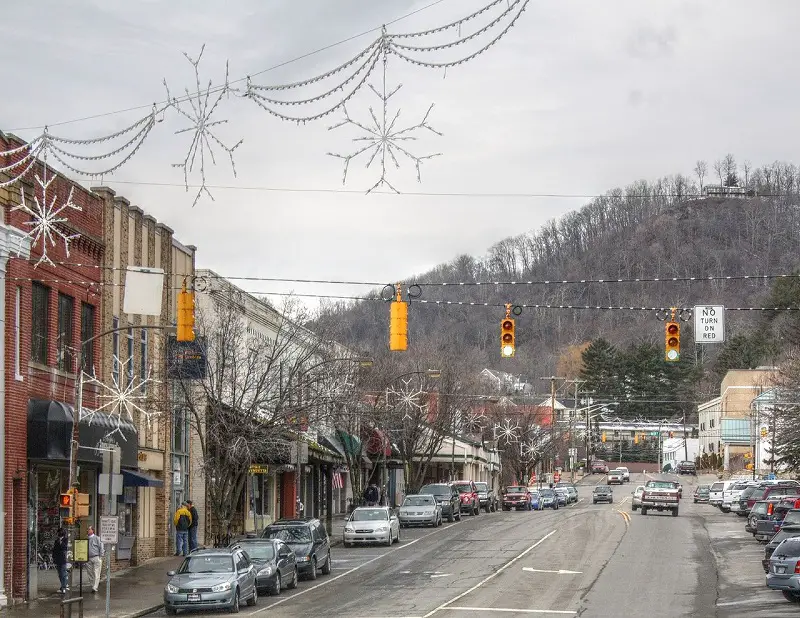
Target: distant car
[
  {"x": 515, "y": 497},
  {"x": 275, "y": 562},
  {"x": 602, "y": 494},
  {"x": 371, "y": 524},
  {"x": 687, "y": 467},
  {"x": 211, "y": 578},
  {"x": 420, "y": 509},
  {"x": 549, "y": 499},
  {"x": 447, "y": 497},
  {"x": 599, "y": 467},
  {"x": 636, "y": 501},
  {"x": 309, "y": 541},
  {"x": 701, "y": 494},
  {"x": 563, "y": 496},
  {"x": 614, "y": 478},
  {"x": 626, "y": 474},
  {"x": 486, "y": 497},
  {"x": 534, "y": 499}
]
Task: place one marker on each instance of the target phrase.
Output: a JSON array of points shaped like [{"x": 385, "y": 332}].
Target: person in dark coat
[
  {"x": 193, "y": 526},
  {"x": 60, "y": 549},
  {"x": 371, "y": 494}
]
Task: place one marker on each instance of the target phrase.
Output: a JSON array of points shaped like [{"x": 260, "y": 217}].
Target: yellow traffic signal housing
[
  {"x": 636, "y": 438},
  {"x": 671, "y": 434},
  {"x": 672, "y": 342},
  {"x": 81, "y": 505},
  {"x": 65, "y": 504},
  {"x": 508, "y": 343},
  {"x": 398, "y": 326},
  {"x": 185, "y": 315},
  {"x": 603, "y": 437}
]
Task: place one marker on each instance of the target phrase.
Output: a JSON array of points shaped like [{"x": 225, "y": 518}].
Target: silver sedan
[
  {"x": 420, "y": 510},
  {"x": 371, "y": 524}
]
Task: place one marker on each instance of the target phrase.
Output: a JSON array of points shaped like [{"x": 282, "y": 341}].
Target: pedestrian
[
  {"x": 371, "y": 494},
  {"x": 182, "y": 520},
  {"x": 95, "y": 564},
  {"x": 193, "y": 526},
  {"x": 60, "y": 547}
]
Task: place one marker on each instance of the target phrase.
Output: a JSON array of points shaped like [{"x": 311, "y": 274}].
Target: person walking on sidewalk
[
  {"x": 371, "y": 494},
  {"x": 193, "y": 526},
  {"x": 60, "y": 547},
  {"x": 95, "y": 564},
  {"x": 182, "y": 521}
]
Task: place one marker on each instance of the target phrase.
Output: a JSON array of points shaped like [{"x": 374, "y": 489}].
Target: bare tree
[
  {"x": 747, "y": 169},
  {"x": 256, "y": 391},
  {"x": 719, "y": 168},
  {"x": 701, "y": 171}
]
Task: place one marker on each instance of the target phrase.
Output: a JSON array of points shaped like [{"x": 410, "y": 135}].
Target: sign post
[{"x": 709, "y": 324}]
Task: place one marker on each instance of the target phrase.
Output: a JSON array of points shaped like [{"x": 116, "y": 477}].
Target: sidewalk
[{"x": 134, "y": 592}]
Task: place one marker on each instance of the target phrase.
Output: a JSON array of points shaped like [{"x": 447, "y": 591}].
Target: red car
[
  {"x": 599, "y": 467},
  {"x": 468, "y": 493}
]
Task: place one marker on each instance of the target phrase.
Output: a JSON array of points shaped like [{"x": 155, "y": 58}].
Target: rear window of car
[
  {"x": 436, "y": 490},
  {"x": 482, "y": 486},
  {"x": 748, "y": 492},
  {"x": 789, "y": 548},
  {"x": 717, "y": 486}
]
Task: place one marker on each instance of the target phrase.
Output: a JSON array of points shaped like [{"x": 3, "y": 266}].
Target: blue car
[
  {"x": 549, "y": 499},
  {"x": 535, "y": 501}
]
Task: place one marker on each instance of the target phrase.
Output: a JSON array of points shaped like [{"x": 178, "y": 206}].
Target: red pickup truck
[{"x": 661, "y": 496}]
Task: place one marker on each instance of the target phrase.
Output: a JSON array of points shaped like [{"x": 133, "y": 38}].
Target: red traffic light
[
  {"x": 65, "y": 500},
  {"x": 507, "y": 325},
  {"x": 672, "y": 329}
]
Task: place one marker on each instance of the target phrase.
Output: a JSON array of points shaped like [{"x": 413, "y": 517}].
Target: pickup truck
[
  {"x": 687, "y": 467},
  {"x": 660, "y": 496},
  {"x": 516, "y": 497}
]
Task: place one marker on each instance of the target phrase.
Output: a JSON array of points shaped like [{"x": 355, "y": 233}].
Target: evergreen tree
[{"x": 600, "y": 370}]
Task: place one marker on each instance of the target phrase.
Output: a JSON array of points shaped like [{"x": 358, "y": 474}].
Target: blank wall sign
[
  {"x": 709, "y": 324},
  {"x": 143, "y": 290}
]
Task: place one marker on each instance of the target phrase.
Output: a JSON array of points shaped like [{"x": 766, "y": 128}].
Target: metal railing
[{"x": 66, "y": 607}]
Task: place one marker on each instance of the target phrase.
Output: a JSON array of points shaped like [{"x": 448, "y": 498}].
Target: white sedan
[
  {"x": 371, "y": 524},
  {"x": 636, "y": 501}
]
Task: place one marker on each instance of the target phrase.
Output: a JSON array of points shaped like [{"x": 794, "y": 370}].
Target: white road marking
[
  {"x": 560, "y": 571},
  {"x": 510, "y": 610},
  {"x": 435, "y": 575},
  {"x": 352, "y": 570},
  {"x": 490, "y": 577}
]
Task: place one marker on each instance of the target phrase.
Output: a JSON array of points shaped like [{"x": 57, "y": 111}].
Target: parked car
[
  {"x": 486, "y": 497},
  {"x": 717, "y": 489},
  {"x": 626, "y": 474},
  {"x": 448, "y": 498},
  {"x": 687, "y": 467},
  {"x": 602, "y": 494},
  {"x": 275, "y": 563},
  {"x": 701, "y": 494},
  {"x": 420, "y": 509},
  {"x": 211, "y": 578},
  {"x": 614, "y": 478},
  {"x": 468, "y": 492},
  {"x": 371, "y": 524},
  {"x": 790, "y": 532},
  {"x": 563, "y": 496},
  {"x": 534, "y": 499},
  {"x": 636, "y": 501},
  {"x": 309, "y": 541},
  {"x": 515, "y": 497},
  {"x": 549, "y": 498},
  {"x": 784, "y": 569}
]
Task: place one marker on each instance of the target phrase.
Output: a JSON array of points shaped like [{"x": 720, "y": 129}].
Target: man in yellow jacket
[{"x": 182, "y": 521}]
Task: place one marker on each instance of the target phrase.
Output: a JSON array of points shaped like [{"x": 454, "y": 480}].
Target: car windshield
[
  {"x": 370, "y": 515},
  {"x": 661, "y": 484},
  {"x": 792, "y": 518},
  {"x": 207, "y": 564},
  {"x": 463, "y": 488},
  {"x": 289, "y": 534},
  {"x": 419, "y": 501},
  {"x": 516, "y": 490},
  {"x": 534, "y": 494},
  {"x": 561, "y": 490},
  {"x": 436, "y": 490},
  {"x": 602, "y": 490},
  {"x": 259, "y": 551},
  {"x": 547, "y": 493},
  {"x": 702, "y": 490},
  {"x": 482, "y": 486}
]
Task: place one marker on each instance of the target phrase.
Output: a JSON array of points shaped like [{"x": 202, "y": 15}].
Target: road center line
[
  {"x": 510, "y": 610},
  {"x": 349, "y": 571},
  {"x": 492, "y": 576}
]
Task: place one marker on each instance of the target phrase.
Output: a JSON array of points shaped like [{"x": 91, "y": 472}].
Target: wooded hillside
[{"x": 647, "y": 230}]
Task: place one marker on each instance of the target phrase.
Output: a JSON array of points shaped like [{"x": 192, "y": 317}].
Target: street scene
[{"x": 399, "y": 309}]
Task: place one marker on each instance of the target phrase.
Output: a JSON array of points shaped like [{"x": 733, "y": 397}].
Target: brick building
[{"x": 49, "y": 309}]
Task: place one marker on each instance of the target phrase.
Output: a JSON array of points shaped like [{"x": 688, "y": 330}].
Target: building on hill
[
  {"x": 722, "y": 191},
  {"x": 506, "y": 383}
]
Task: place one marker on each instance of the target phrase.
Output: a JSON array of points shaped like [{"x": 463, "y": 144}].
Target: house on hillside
[{"x": 508, "y": 383}]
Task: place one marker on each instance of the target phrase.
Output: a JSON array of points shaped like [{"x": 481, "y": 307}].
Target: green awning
[{"x": 351, "y": 444}]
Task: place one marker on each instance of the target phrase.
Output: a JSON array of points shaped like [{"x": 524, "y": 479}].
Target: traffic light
[
  {"x": 65, "y": 503},
  {"x": 185, "y": 315},
  {"x": 764, "y": 432},
  {"x": 671, "y": 434},
  {"x": 398, "y": 326},
  {"x": 508, "y": 342},
  {"x": 603, "y": 437},
  {"x": 636, "y": 438},
  {"x": 672, "y": 339}
]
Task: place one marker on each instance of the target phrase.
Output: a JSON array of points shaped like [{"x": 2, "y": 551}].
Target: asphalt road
[{"x": 586, "y": 560}]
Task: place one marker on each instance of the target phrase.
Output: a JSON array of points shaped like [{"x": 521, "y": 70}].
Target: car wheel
[
  {"x": 634, "y": 507},
  {"x": 458, "y": 516},
  {"x": 313, "y": 573},
  {"x": 397, "y": 538},
  {"x": 476, "y": 510},
  {"x": 253, "y": 600},
  {"x": 793, "y": 597},
  {"x": 326, "y": 568},
  {"x": 275, "y": 588},
  {"x": 235, "y": 605},
  {"x": 644, "y": 511},
  {"x": 293, "y": 584},
  {"x": 451, "y": 518},
  {"x": 674, "y": 512},
  {"x": 390, "y": 540}
]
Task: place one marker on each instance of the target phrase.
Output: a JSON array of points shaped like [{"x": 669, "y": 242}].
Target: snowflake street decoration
[
  {"x": 475, "y": 418},
  {"x": 337, "y": 389},
  {"x": 201, "y": 107},
  {"x": 530, "y": 449},
  {"x": 382, "y": 139},
  {"x": 46, "y": 217},
  {"x": 123, "y": 403},
  {"x": 408, "y": 399},
  {"x": 507, "y": 430}
]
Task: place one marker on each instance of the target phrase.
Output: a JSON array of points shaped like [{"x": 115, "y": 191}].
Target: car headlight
[
  {"x": 221, "y": 587},
  {"x": 304, "y": 559},
  {"x": 172, "y": 589},
  {"x": 265, "y": 572},
  {"x": 381, "y": 529},
  {"x": 349, "y": 529}
]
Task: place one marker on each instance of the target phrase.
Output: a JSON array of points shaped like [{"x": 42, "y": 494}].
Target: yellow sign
[
  {"x": 80, "y": 550},
  {"x": 259, "y": 469}
]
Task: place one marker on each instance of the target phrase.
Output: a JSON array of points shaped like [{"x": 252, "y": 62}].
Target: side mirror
[{"x": 171, "y": 573}]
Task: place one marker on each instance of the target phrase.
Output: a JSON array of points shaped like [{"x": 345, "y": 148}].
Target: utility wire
[{"x": 216, "y": 89}]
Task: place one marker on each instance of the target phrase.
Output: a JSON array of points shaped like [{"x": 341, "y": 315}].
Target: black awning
[
  {"x": 331, "y": 443},
  {"x": 132, "y": 478},
  {"x": 50, "y": 426},
  {"x": 49, "y": 429}
]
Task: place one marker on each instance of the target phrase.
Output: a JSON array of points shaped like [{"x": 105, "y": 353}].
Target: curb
[{"x": 145, "y": 612}]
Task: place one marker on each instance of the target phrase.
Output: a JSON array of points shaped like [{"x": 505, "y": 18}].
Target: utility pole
[
  {"x": 553, "y": 419},
  {"x": 574, "y": 460},
  {"x": 685, "y": 440}
]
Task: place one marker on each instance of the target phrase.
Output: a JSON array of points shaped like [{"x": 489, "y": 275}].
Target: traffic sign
[
  {"x": 556, "y": 477},
  {"x": 709, "y": 324},
  {"x": 109, "y": 529}
]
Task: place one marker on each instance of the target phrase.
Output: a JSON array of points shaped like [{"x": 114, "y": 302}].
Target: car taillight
[
  {"x": 797, "y": 568},
  {"x": 769, "y": 508}
]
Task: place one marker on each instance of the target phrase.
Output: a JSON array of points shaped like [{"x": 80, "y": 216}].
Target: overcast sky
[{"x": 581, "y": 96}]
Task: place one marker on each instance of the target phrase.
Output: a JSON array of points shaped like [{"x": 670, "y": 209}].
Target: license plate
[
  {"x": 780, "y": 570},
  {"x": 193, "y": 597}
]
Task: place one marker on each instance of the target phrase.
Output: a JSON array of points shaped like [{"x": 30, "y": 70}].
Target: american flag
[{"x": 338, "y": 482}]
